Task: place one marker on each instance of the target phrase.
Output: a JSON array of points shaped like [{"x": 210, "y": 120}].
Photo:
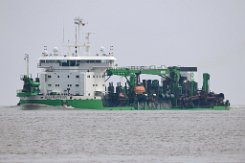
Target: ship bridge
[{"x": 79, "y": 62}]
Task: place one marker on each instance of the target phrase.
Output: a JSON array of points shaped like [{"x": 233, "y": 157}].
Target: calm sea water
[{"x": 89, "y": 136}]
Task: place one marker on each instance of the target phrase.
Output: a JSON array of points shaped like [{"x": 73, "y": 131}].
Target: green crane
[
  {"x": 172, "y": 74},
  {"x": 132, "y": 73}
]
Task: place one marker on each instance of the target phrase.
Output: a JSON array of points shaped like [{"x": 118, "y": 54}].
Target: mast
[
  {"x": 87, "y": 44},
  {"x": 78, "y": 22},
  {"x": 27, "y": 64}
]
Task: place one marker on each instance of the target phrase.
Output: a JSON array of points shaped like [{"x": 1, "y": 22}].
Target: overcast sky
[{"x": 209, "y": 34}]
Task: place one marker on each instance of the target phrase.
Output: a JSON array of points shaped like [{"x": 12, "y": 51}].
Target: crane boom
[
  {"x": 127, "y": 71},
  {"x": 163, "y": 72}
]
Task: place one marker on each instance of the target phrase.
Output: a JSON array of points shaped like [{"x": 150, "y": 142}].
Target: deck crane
[
  {"x": 172, "y": 87},
  {"x": 132, "y": 74},
  {"x": 177, "y": 89}
]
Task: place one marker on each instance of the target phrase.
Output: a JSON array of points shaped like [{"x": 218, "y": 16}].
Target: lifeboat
[
  {"x": 121, "y": 94},
  {"x": 140, "y": 89}
]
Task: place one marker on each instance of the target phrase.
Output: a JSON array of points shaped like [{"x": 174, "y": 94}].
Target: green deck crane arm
[
  {"x": 128, "y": 71},
  {"x": 131, "y": 74}
]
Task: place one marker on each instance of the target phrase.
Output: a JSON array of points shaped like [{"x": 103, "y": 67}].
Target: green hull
[
  {"x": 42, "y": 102},
  {"x": 98, "y": 105},
  {"x": 81, "y": 104}
]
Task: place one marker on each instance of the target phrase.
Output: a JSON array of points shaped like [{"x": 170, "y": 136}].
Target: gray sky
[{"x": 209, "y": 34}]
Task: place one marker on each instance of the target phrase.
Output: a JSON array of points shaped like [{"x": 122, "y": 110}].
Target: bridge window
[
  {"x": 52, "y": 61},
  {"x": 69, "y": 63},
  {"x": 72, "y": 63},
  {"x": 92, "y": 61},
  {"x": 64, "y": 63}
]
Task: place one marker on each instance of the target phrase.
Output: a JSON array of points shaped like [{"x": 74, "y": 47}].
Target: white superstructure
[{"x": 74, "y": 74}]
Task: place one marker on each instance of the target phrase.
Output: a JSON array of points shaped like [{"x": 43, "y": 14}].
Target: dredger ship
[{"x": 79, "y": 80}]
